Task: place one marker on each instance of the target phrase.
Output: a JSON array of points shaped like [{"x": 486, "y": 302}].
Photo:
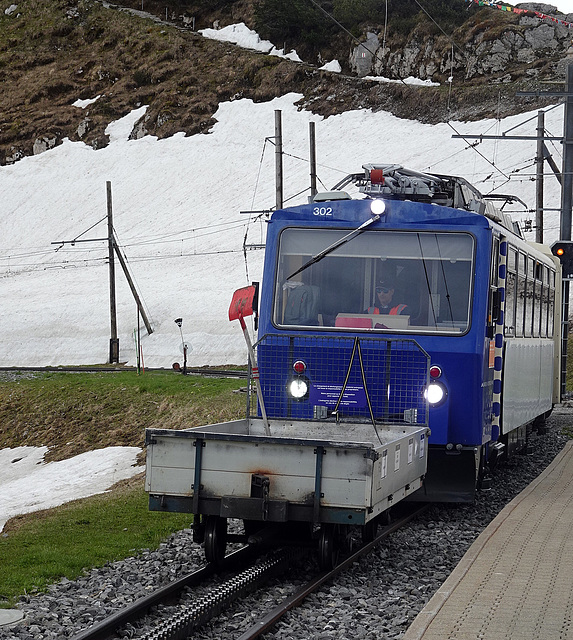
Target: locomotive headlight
[
  {"x": 377, "y": 207},
  {"x": 435, "y": 394},
  {"x": 298, "y": 388}
]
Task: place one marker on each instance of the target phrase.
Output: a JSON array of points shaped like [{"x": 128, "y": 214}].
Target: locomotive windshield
[{"x": 380, "y": 280}]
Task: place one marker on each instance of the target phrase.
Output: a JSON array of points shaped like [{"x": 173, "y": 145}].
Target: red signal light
[{"x": 299, "y": 367}]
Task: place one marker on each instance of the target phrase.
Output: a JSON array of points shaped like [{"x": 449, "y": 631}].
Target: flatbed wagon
[
  {"x": 330, "y": 469},
  {"x": 304, "y": 472}
]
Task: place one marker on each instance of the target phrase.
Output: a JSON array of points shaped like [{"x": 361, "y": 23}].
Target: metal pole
[
  {"x": 279, "y": 159},
  {"x": 539, "y": 178},
  {"x": 567, "y": 174},
  {"x": 179, "y": 323},
  {"x": 566, "y": 202},
  {"x": 138, "y": 343},
  {"x": 113, "y": 341},
  {"x": 312, "y": 136},
  {"x": 564, "y": 335}
]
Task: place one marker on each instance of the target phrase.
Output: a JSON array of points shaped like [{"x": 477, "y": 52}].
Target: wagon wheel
[
  {"x": 369, "y": 530},
  {"x": 215, "y": 538},
  {"x": 328, "y": 547}
]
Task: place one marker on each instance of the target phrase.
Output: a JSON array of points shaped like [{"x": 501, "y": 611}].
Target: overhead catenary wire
[
  {"x": 451, "y": 40},
  {"x": 154, "y": 241},
  {"x": 246, "y": 235},
  {"x": 354, "y": 38},
  {"x": 504, "y": 133},
  {"x": 136, "y": 241},
  {"x": 520, "y": 124},
  {"x": 452, "y": 155},
  {"x": 478, "y": 152},
  {"x": 453, "y": 45},
  {"x": 102, "y": 260},
  {"x": 16, "y": 260},
  {"x": 517, "y": 173},
  {"x": 259, "y": 173},
  {"x": 219, "y": 226}
]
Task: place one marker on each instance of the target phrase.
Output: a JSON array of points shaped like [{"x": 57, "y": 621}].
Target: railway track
[{"x": 234, "y": 584}]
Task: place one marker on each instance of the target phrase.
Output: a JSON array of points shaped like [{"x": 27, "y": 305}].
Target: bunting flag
[{"x": 506, "y": 7}]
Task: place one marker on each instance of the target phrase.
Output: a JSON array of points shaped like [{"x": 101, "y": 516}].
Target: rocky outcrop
[{"x": 517, "y": 45}]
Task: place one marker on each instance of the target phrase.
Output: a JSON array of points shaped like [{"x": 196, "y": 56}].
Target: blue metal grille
[{"x": 354, "y": 379}]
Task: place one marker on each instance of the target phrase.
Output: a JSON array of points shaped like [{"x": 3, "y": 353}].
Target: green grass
[
  {"x": 86, "y": 533},
  {"x": 569, "y": 373},
  {"x": 76, "y": 412}
]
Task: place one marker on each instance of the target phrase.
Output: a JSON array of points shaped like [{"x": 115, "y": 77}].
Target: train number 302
[{"x": 322, "y": 211}]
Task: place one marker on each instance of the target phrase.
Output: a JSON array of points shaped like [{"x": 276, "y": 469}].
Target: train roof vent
[{"x": 325, "y": 196}]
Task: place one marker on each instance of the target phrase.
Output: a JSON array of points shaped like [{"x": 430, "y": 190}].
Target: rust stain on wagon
[{"x": 261, "y": 472}]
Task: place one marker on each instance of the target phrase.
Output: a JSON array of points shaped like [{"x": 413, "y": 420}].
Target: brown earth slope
[{"x": 52, "y": 53}]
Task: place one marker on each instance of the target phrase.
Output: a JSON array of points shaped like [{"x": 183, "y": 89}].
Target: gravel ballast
[{"x": 378, "y": 598}]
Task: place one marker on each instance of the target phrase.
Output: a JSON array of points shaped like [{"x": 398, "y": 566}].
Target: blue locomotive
[
  {"x": 407, "y": 340},
  {"x": 421, "y": 257}
]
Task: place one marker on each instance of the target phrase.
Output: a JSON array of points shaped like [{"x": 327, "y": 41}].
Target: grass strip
[
  {"x": 76, "y": 412},
  {"x": 39, "y": 549}
]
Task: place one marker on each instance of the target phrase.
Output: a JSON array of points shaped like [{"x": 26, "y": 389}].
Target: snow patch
[{"x": 28, "y": 484}]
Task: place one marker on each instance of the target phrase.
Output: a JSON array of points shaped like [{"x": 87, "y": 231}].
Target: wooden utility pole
[
  {"x": 113, "y": 250},
  {"x": 114, "y": 340},
  {"x": 131, "y": 284},
  {"x": 279, "y": 159}
]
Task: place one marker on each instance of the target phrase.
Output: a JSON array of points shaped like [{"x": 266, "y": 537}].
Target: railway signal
[{"x": 563, "y": 249}]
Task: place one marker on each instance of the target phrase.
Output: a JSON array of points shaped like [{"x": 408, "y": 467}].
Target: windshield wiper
[{"x": 335, "y": 245}]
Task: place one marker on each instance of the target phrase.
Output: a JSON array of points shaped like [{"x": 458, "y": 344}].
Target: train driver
[{"x": 384, "y": 303}]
